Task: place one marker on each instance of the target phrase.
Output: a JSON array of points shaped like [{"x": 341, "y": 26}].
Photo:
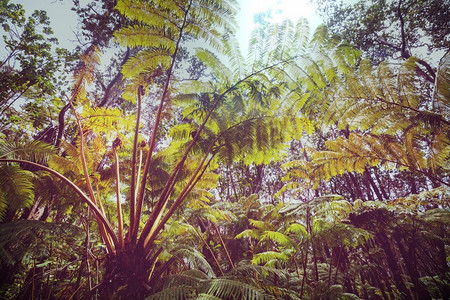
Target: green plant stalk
[
  {"x": 119, "y": 206},
  {"x": 152, "y": 223},
  {"x": 155, "y": 129},
  {"x": 133, "y": 163},
  {"x": 151, "y": 220},
  {"x": 103, "y": 232},
  {"x": 210, "y": 250},
  {"x": 188, "y": 188},
  {"x": 224, "y": 246}
]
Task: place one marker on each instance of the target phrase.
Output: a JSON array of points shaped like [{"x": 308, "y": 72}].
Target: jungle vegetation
[{"x": 316, "y": 167}]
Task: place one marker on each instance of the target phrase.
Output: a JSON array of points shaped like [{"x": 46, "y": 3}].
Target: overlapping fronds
[
  {"x": 194, "y": 284},
  {"x": 146, "y": 61},
  {"x": 195, "y": 259},
  {"x": 384, "y": 100},
  {"x": 442, "y": 89},
  {"x": 359, "y": 151},
  {"x": 138, "y": 35},
  {"x": 107, "y": 120},
  {"x": 232, "y": 289},
  {"x": 84, "y": 74},
  {"x": 161, "y": 24},
  {"x": 177, "y": 292},
  {"x": 25, "y": 236},
  {"x": 364, "y": 150},
  {"x": 252, "y": 125},
  {"x": 36, "y": 151},
  {"x": 278, "y": 238},
  {"x": 16, "y": 189}
]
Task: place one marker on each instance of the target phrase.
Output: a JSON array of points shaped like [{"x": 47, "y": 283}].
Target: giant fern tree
[{"x": 134, "y": 258}]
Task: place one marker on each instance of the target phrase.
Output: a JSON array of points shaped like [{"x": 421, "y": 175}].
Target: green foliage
[
  {"x": 231, "y": 289},
  {"x": 161, "y": 24},
  {"x": 30, "y": 65},
  {"x": 33, "y": 239},
  {"x": 424, "y": 23},
  {"x": 307, "y": 102},
  {"x": 16, "y": 189},
  {"x": 36, "y": 151}
]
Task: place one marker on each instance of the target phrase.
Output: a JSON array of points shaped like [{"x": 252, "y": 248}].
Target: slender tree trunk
[
  {"x": 392, "y": 262},
  {"x": 305, "y": 262},
  {"x": 356, "y": 185},
  {"x": 382, "y": 190},
  {"x": 363, "y": 281},
  {"x": 233, "y": 187},
  {"x": 409, "y": 258},
  {"x": 372, "y": 183},
  {"x": 350, "y": 189}
]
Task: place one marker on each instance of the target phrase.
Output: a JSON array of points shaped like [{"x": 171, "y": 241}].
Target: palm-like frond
[
  {"x": 195, "y": 258},
  {"x": 161, "y": 25},
  {"x": 16, "y": 189},
  {"x": 269, "y": 256},
  {"x": 442, "y": 94},
  {"x": 177, "y": 292},
  {"x": 232, "y": 289},
  {"x": 84, "y": 74},
  {"x": 36, "y": 151}
]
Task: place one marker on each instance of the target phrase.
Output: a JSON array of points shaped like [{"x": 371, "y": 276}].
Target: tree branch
[
  {"x": 114, "y": 81},
  {"x": 404, "y": 53}
]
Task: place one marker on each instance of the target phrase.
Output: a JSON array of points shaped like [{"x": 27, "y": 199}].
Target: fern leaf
[
  {"x": 178, "y": 292},
  {"x": 265, "y": 257},
  {"x": 16, "y": 188},
  {"x": 36, "y": 151},
  {"x": 231, "y": 289}
]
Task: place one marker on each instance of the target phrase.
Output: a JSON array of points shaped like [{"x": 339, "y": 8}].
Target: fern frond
[
  {"x": 249, "y": 233},
  {"x": 36, "y": 151},
  {"x": 84, "y": 73},
  {"x": 146, "y": 13},
  {"x": 178, "y": 292},
  {"x": 297, "y": 229},
  {"x": 16, "y": 188},
  {"x": 107, "y": 120},
  {"x": 267, "y": 256},
  {"x": 203, "y": 296},
  {"x": 215, "y": 12},
  {"x": 139, "y": 35},
  {"x": 231, "y": 289},
  {"x": 233, "y": 53},
  {"x": 196, "y": 258},
  {"x": 442, "y": 94},
  {"x": 219, "y": 69},
  {"x": 26, "y": 236},
  {"x": 278, "y": 238},
  {"x": 147, "y": 61}
]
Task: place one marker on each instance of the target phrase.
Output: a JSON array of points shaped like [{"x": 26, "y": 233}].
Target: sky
[{"x": 64, "y": 21}]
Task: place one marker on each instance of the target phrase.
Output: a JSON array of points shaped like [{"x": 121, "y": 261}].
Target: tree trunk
[
  {"x": 391, "y": 259},
  {"x": 409, "y": 257}
]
